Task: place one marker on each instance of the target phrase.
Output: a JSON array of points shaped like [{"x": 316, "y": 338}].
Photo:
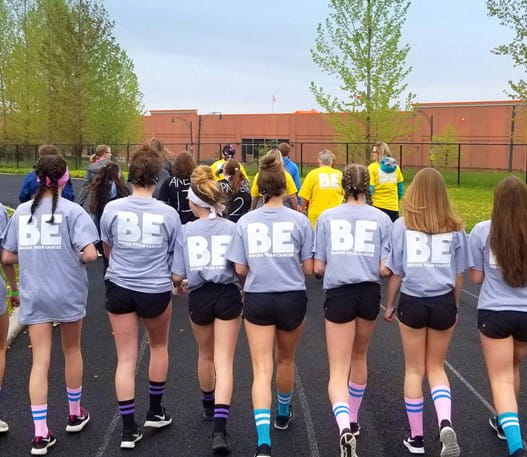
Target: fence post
[
  {"x": 459, "y": 164},
  {"x": 16, "y": 155},
  {"x": 400, "y": 156},
  {"x": 526, "y": 164},
  {"x": 301, "y": 158},
  {"x": 347, "y": 154},
  {"x": 36, "y": 153},
  {"x": 127, "y": 154}
]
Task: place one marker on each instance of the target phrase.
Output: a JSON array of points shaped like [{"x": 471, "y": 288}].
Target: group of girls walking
[{"x": 267, "y": 253}]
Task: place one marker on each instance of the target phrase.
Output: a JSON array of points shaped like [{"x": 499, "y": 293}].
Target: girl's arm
[
  {"x": 89, "y": 253},
  {"x": 476, "y": 276},
  {"x": 307, "y": 266},
  {"x": 394, "y": 284},
  {"x": 384, "y": 271},
  {"x": 9, "y": 258},
  {"x": 319, "y": 267},
  {"x": 107, "y": 249}
]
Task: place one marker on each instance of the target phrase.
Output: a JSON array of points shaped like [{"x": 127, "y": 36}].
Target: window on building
[{"x": 253, "y": 148}]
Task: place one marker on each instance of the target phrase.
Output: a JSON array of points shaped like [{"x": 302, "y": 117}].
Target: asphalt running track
[{"x": 313, "y": 431}]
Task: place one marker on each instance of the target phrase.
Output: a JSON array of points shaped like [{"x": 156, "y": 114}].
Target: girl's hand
[
  {"x": 389, "y": 314},
  {"x": 14, "y": 300},
  {"x": 182, "y": 288}
]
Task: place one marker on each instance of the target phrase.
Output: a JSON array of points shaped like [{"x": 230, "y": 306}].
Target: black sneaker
[
  {"x": 449, "y": 446},
  {"x": 263, "y": 451},
  {"x": 415, "y": 445},
  {"x": 355, "y": 428},
  {"x": 282, "y": 422},
  {"x": 520, "y": 453},
  {"x": 41, "y": 444},
  {"x": 128, "y": 439},
  {"x": 493, "y": 422},
  {"x": 77, "y": 423},
  {"x": 347, "y": 444},
  {"x": 208, "y": 414},
  {"x": 220, "y": 445},
  {"x": 157, "y": 420}
]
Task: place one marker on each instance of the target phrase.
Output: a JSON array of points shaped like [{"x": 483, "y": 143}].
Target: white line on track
[
  {"x": 115, "y": 419},
  {"x": 311, "y": 436},
  {"x": 469, "y": 293}
]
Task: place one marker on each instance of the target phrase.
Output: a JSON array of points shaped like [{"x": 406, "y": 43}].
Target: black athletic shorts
[
  {"x": 343, "y": 304},
  {"x": 120, "y": 300},
  {"x": 211, "y": 301},
  {"x": 502, "y": 324},
  {"x": 394, "y": 215},
  {"x": 438, "y": 313},
  {"x": 285, "y": 310}
]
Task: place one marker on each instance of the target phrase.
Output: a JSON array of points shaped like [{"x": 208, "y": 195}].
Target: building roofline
[{"x": 469, "y": 104}]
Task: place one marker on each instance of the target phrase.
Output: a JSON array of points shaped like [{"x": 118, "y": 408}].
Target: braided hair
[
  {"x": 50, "y": 168},
  {"x": 356, "y": 181}
]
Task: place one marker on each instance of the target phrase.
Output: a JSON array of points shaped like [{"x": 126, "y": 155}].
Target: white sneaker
[{"x": 3, "y": 427}]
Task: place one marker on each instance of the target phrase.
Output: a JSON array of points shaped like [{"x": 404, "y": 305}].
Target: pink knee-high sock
[
  {"x": 356, "y": 393},
  {"x": 442, "y": 402},
  {"x": 414, "y": 411},
  {"x": 342, "y": 415},
  {"x": 74, "y": 400},
  {"x": 40, "y": 414}
]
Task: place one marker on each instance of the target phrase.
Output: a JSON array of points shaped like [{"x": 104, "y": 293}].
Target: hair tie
[
  {"x": 60, "y": 182},
  {"x": 236, "y": 169}
]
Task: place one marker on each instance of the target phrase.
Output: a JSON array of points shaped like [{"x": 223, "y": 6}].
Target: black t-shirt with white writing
[
  {"x": 239, "y": 202},
  {"x": 174, "y": 191}
]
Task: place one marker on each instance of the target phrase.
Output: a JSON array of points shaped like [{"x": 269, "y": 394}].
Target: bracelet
[{"x": 13, "y": 293}]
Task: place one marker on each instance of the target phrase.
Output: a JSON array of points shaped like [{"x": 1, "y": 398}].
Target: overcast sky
[{"x": 232, "y": 56}]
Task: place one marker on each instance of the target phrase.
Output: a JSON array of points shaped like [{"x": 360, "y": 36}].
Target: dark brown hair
[
  {"x": 271, "y": 177},
  {"x": 233, "y": 169},
  {"x": 48, "y": 150},
  {"x": 157, "y": 145},
  {"x": 184, "y": 165},
  {"x": 205, "y": 186},
  {"x": 508, "y": 230},
  {"x": 53, "y": 168},
  {"x": 100, "y": 188},
  {"x": 145, "y": 166},
  {"x": 356, "y": 182}
]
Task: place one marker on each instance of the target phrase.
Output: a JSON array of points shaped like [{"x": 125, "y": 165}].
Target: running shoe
[
  {"x": 263, "y": 451},
  {"x": 448, "y": 438},
  {"x": 158, "y": 420},
  {"x": 41, "y": 444},
  {"x": 208, "y": 414},
  {"x": 77, "y": 423},
  {"x": 3, "y": 427},
  {"x": 355, "y": 428},
  {"x": 347, "y": 444},
  {"x": 220, "y": 445},
  {"x": 128, "y": 439},
  {"x": 415, "y": 445},
  {"x": 520, "y": 453},
  {"x": 282, "y": 422},
  {"x": 493, "y": 422}
]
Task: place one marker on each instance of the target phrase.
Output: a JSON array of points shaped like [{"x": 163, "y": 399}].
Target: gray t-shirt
[
  {"x": 142, "y": 233},
  {"x": 4, "y": 219},
  {"x": 428, "y": 263},
  {"x": 53, "y": 280},
  {"x": 352, "y": 240},
  {"x": 495, "y": 294},
  {"x": 272, "y": 242},
  {"x": 202, "y": 256}
]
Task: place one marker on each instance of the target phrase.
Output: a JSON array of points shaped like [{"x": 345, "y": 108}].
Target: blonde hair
[
  {"x": 383, "y": 149},
  {"x": 426, "y": 206},
  {"x": 205, "y": 186}
]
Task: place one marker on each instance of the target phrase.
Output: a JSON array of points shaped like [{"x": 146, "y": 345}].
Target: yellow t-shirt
[
  {"x": 219, "y": 165},
  {"x": 385, "y": 185},
  {"x": 322, "y": 188},
  {"x": 372, "y": 167},
  {"x": 290, "y": 184}
]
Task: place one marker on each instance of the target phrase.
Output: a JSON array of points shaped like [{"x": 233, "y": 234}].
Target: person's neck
[
  {"x": 142, "y": 192},
  {"x": 48, "y": 193},
  {"x": 202, "y": 213},
  {"x": 360, "y": 201},
  {"x": 274, "y": 202}
]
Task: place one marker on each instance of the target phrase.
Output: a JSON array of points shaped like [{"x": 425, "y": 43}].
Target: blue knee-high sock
[
  {"x": 262, "y": 417},
  {"x": 283, "y": 403},
  {"x": 511, "y": 426}
]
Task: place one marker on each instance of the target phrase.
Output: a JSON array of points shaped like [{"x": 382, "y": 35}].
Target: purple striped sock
[
  {"x": 207, "y": 399},
  {"x": 156, "y": 390},
  {"x": 127, "y": 410},
  {"x": 221, "y": 414}
]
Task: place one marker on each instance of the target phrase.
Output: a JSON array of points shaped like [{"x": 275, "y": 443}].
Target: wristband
[{"x": 13, "y": 293}]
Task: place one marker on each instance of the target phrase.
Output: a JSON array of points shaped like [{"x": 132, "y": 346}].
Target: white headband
[{"x": 215, "y": 210}]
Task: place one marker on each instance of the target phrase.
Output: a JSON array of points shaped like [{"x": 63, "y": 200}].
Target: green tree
[
  {"x": 360, "y": 44},
  {"x": 513, "y": 14},
  {"x": 443, "y": 153},
  {"x": 7, "y": 38}
]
